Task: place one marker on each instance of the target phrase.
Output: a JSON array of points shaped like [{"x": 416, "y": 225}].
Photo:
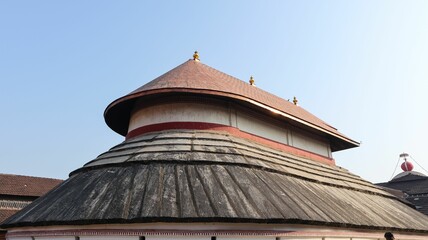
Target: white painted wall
[
  {"x": 177, "y": 238},
  {"x": 301, "y": 238},
  {"x": 249, "y": 238},
  {"x": 109, "y": 238},
  {"x": 230, "y": 116},
  {"x": 20, "y": 238},
  {"x": 260, "y": 127},
  {"x": 336, "y": 238},
  {"x": 54, "y": 238},
  {"x": 313, "y": 144},
  {"x": 179, "y": 112}
]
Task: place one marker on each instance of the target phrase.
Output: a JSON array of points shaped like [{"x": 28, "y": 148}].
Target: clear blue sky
[{"x": 362, "y": 66}]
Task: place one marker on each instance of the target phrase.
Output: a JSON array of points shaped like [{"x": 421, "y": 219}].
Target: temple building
[
  {"x": 412, "y": 184},
  {"x": 207, "y": 156},
  {"x": 16, "y": 192}
]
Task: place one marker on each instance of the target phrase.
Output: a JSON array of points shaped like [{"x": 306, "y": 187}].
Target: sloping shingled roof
[
  {"x": 206, "y": 176},
  {"x": 415, "y": 185},
  {"x": 410, "y": 183},
  {"x": 198, "y": 78},
  {"x": 16, "y": 185}
]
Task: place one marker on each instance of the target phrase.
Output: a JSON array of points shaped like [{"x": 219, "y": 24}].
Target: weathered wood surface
[
  {"x": 205, "y": 146},
  {"x": 199, "y": 176},
  {"x": 415, "y": 185}
]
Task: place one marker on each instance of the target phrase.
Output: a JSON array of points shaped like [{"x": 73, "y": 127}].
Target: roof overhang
[{"x": 118, "y": 113}]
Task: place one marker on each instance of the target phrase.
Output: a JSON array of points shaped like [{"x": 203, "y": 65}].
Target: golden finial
[
  {"x": 252, "y": 81},
  {"x": 295, "y": 101},
  {"x": 196, "y": 56}
]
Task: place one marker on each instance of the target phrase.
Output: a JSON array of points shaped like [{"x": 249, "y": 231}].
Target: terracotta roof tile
[
  {"x": 5, "y": 213},
  {"x": 194, "y": 76},
  {"x": 16, "y": 185}
]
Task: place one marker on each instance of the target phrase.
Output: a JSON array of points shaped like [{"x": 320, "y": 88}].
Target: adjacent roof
[
  {"x": 411, "y": 182},
  {"x": 207, "y": 176},
  {"x": 408, "y": 176},
  {"x": 18, "y": 191},
  {"x": 16, "y": 185},
  {"x": 198, "y": 78},
  {"x": 414, "y": 185},
  {"x": 6, "y": 213}
]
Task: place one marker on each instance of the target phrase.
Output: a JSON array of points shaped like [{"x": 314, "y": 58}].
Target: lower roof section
[
  {"x": 238, "y": 133},
  {"x": 165, "y": 192},
  {"x": 190, "y": 176}
]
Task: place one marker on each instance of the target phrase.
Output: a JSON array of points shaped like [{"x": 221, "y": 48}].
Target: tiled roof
[
  {"x": 5, "y": 213},
  {"x": 420, "y": 202},
  {"x": 415, "y": 185},
  {"x": 16, "y": 185},
  {"x": 207, "y": 176},
  {"x": 408, "y": 176},
  {"x": 198, "y": 78},
  {"x": 409, "y": 183}
]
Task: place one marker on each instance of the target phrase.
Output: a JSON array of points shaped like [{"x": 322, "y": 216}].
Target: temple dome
[{"x": 206, "y": 154}]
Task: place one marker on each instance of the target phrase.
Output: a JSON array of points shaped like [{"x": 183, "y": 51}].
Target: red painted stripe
[{"x": 233, "y": 131}]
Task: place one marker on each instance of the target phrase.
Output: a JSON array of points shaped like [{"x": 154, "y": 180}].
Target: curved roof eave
[{"x": 136, "y": 95}]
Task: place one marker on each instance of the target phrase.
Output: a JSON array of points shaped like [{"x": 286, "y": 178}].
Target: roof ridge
[{"x": 19, "y": 175}]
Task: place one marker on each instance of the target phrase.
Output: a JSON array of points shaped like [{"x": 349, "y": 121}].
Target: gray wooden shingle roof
[
  {"x": 204, "y": 176},
  {"x": 415, "y": 187}
]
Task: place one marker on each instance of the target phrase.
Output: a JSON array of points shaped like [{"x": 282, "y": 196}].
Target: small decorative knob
[
  {"x": 196, "y": 56},
  {"x": 252, "y": 81},
  {"x": 295, "y": 101}
]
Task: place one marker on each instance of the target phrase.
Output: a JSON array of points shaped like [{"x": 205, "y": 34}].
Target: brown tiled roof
[
  {"x": 16, "y": 185},
  {"x": 196, "y": 77},
  {"x": 5, "y": 213}
]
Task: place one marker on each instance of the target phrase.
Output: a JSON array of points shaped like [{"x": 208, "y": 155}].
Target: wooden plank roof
[
  {"x": 204, "y": 176},
  {"x": 415, "y": 187}
]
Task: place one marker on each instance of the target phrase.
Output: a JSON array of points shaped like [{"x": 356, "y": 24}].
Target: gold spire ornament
[
  {"x": 295, "y": 101},
  {"x": 252, "y": 81},
  {"x": 196, "y": 56}
]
